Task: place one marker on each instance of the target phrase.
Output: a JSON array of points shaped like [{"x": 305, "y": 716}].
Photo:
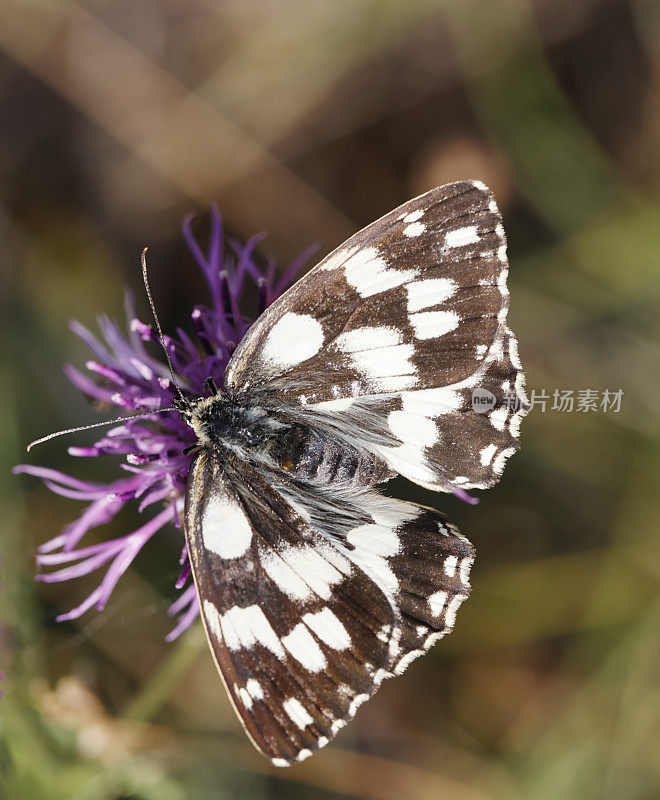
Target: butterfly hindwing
[
  {"x": 393, "y": 332},
  {"x": 304, "y": 627}
]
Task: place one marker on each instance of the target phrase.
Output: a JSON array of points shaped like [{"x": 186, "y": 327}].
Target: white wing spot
[
  {"x": 413, "y": 429},
  {"x": 513, "y": 352},
  {"x": 297, "y": 713},
  {"x": 414, "y": 229},
  {"x": 515, "y": 423},
  {"x": 245, "y": 698},
  {"x": 498, "y": 417},
  {"x": 368, "y": 338},
  {"x": 380, "y": 675},
  {"x": 367, "y": 272},
  {"x": 284, "y": 577},
  {"x": 328, "y": 628},
  {"x": 377, "y": 352},
  {"x": 212, "y": 619},
  {"x": 451, "y": 563},
  {"x": 486, "y": 455},
  {"x": 432, "y": 402},
  {"x": 429, "y": 292},
  {"x": 245, "y": 627},
  {"x": 254, "y": 689},
  {"x": 433, "y": 638},
  {"x": 430, "y": 324},
  {"x": 462, "y": 236},
  {"x": 437, "y": 602},
  {"x": 293, "y": 339},
  {"x": 226, "y": 529},
  {"x": 337, "y": 258},
  {"x": 313, "y": 568},
  {"x": 340, "y": 404},
  {"x": 304, "y": 648},
  {"x": 376, "y": 539},
  {"x": 414, "y": 215}
]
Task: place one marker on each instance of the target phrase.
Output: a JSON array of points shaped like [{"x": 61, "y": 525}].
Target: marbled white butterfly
[{"x": 313, "y": 586}]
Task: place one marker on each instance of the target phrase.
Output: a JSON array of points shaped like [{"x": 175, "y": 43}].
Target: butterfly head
[{"x": 184, "y": 406}]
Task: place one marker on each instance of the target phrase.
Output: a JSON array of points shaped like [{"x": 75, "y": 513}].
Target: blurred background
[{"x": 309, "y": 119}]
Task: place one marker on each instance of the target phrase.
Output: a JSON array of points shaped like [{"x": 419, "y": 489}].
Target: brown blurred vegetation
[{"x": 310, "y": 119}]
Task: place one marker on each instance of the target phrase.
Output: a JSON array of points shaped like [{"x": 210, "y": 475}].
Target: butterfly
[{"x": 313, "y": 586}]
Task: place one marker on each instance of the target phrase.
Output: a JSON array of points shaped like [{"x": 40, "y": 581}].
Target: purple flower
[{"x": 125, "y": 373}]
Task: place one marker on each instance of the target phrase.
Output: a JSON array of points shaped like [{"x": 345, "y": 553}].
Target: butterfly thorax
[{"x": 221, "y": 422}]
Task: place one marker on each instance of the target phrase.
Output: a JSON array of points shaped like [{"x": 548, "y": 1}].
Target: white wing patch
[
  {"x": 431, "y": 324},
  {"x": 297, "y": 713},
  {"x": 378, "y": 353},
  {"x": 286, "y": 578},
  {"x": 414, "y": 430},
  {"x": 328, "y": 628},
  {"x": 374, "y": 337},
  {"x": 245, "y": 627},
  {"x": 414, "y": 229},
  {"x": 212, "y": 619},
  {"x": 304, "y": 648},
  {"x": 462, "y": 236},
  {"x": 225, "y": 527},
  {"x": 429, "y": 292},
  {"x": 367, "y": 272},
  {"x": 310, "y": 567},
  {"x": 380, "y": 540},
  {"x": 293, "y": 339}
]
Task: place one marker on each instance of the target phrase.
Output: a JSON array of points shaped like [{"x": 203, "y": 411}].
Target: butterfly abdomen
[{"x": 315, "y": 457}]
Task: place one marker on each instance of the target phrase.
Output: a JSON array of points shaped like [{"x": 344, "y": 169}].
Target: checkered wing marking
[
  {"x": 389, "y": 336},
  {"x": 304, "y": 629}
]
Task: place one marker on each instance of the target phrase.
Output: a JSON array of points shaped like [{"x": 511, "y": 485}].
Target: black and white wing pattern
[
  {"x": 304, "y": 627},
  {"x": 389, "y": 337}
]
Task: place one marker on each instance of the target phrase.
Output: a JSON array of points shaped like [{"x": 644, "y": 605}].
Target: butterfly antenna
[
  {"x": 160, "y": 330},
  {"x": 96, "y": 425}
]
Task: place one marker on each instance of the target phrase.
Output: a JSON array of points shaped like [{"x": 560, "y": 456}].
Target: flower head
[{"x": 124, "y": 372}]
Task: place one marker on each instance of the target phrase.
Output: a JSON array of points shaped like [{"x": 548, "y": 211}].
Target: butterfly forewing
[
  {"x": 393, "y": 332},
  {"x": 303, "y": 628}
]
